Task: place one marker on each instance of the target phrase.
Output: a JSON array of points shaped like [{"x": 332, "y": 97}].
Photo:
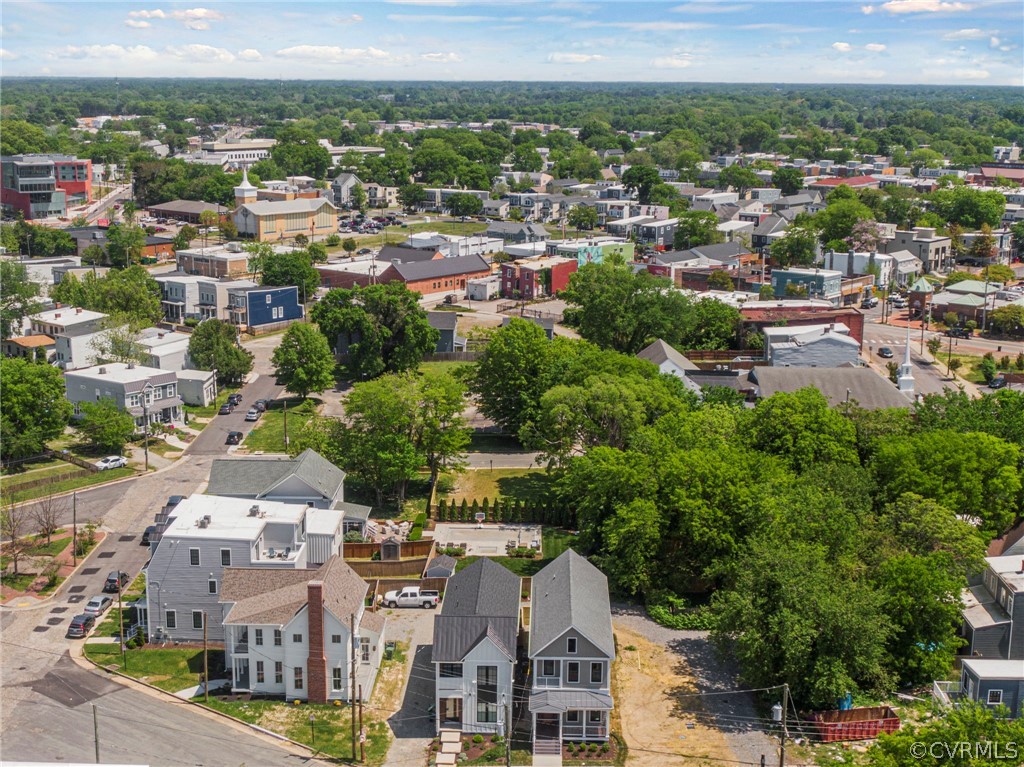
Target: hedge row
[
  {"x": 416, "y": 532},
  {"x": 506, "y": 510}
]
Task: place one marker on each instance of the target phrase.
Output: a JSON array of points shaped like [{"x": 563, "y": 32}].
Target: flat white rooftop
[
  {"x": 67, "y": 315},
  {"x": 118, "y": 372},
  {"x": 992, "y": 667},
  {"x": 229, "y": 517}
]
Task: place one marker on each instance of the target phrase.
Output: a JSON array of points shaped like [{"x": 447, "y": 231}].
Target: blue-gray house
[
  {"x": 447, "y": 323},
  {"x": 263, "y": 307},
  {"x": 987, "y": 681}
]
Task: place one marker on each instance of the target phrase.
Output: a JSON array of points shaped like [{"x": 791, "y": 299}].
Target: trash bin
[{"x": 389, "y": 650}]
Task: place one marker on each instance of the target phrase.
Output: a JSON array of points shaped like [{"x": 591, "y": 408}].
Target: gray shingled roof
[
  {"x": 659, "y": 351},
  {"x": 868, "y": 388},
  {"x": 406, "y": 255},
  {"x": 443, "y": 320},
  {"x": 442, "y": 267},
  {"x": 483, "y": 588},
  {"x": 443, "y": 563},
  {"x": 254, "y": 477},
  {"x": 570, "y": 593},
  {"x": 456, "y": 635},
  {"x": 272, "y": 597}
]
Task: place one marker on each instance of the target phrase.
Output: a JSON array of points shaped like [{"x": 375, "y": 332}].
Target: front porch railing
[
  {"x": 584, "y": 732},
  {"x": 946, "y": 694}
]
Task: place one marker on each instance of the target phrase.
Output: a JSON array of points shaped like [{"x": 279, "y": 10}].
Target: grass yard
[
  {"x": 398, "y": 234},
  {"x": 35, "y": 470},
  {"x": 268, "y": 436},
  {"x": 170, "y": 669},
  {"x": 554, "y": 541},
  {"x": 445, "y": 367},
  {"x": 75, "y": 483},
  {"x": 210, "y": 411},
  {"x": 520, "y": 484},
  {"x": 51, "y": 549}
]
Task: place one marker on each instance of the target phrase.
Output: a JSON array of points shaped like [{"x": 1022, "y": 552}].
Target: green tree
[
  {"x": 441, "y": 433},
  {"x": 641, "y": 179},
  {"x": 582, "y": 217},
  {"x": 616, "y": 309},
  {"x": 463, "y": 204},
  {"x": 287, "y": 269},
  {"x": 711, "y": 324},
  {"x": 297, "y": 153},
  {"x": 384, "y": 327},
  {"x": 737, "y": 177},
  {"x": 969, "y": 208},
  {"x": 957, "y": 276},
  {"x": 797, "y": 247},
  {"x": 631, "y": 541},
  {"x": 1007, "y": 320},
  {"x": 836, "y": 222},
  {"x": 411, "y": 196},
  {"x": 349, "y": 245},
  {"x": 789, "y": 180},
  {"x": 130, "y": 295},
  {"x": 124, "y": 244},
  {"x": 719, "y": 279},
  {"x": 105, "y": 425},
  {"x": 35, "y": 407},
  {"x": 696, "y": 228},
  {"x": 527, "y": 159},
  {"x": 317, "y": 252},
  {"x": 183, "y": 239},
  {"x": 303, "y": 362},
  {"x": 214, "y": 346},
  {"x": 359, "y": 198},
  {"x": 18, "y": 297},
  {"x": 998, "y": 273},
  {"x": 934, "y": 344},
  {"x": 802, "y": 428}
]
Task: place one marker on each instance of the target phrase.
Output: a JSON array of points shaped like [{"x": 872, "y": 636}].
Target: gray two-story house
[
  {"x": 142, "y": 391},
  {"x": 571, "y": 649},
  {"x": 474, "y": 648},
  {"x": 994, "y": 611}
]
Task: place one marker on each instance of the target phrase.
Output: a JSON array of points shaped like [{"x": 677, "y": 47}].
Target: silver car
[{"x": 98, "y": 605}]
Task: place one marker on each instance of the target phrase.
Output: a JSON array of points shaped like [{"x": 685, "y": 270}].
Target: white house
[
  {"x": 670, "y": 362},
  {"x": 294, "y": 632},
  {"x": 74, "y": 331},
  {"x": 164, "y": 349},
  {"x": 474, "y": 648},
  {"x": 142, "y": 391}
]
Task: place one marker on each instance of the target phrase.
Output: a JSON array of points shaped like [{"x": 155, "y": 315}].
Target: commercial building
[
  {"x": 218, "y": 261},
  {"x": 44, "y": 185},
  {"x": 536, "y": 277},
  {"x": 270, "y": 220}
]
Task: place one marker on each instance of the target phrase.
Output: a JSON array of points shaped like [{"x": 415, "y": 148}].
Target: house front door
[
  {"x": 451, "y": 712},
  {"x": 549, "y": 727}
]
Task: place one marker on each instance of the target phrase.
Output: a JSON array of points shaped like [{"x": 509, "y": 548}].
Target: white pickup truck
[{"x": 412, "y": 596}]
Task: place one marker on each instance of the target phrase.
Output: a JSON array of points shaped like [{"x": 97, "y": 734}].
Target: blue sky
[{"x": 976, "y": 42}]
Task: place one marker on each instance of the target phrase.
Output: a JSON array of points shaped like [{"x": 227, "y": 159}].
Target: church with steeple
[{"x": 270, "y": 220}]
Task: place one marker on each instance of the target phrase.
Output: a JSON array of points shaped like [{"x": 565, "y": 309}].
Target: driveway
[{"x": 411, "y": 724}]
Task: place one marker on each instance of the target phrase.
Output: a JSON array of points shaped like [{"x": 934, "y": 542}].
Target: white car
[
  {"x": 253, "y": 414},
  {"x": 111, "y": 462},
  {"x": 98, "y": 605}
]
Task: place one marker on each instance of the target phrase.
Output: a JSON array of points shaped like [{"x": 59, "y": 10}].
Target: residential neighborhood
[{"x": 438, "y": 422}]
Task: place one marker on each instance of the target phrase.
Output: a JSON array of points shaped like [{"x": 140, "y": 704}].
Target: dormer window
[{"x": 570, "y": 645}]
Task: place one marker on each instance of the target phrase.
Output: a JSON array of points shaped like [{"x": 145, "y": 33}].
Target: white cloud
[
  {"x": 441, "y": 58},
  {"x": 197, "y": 52},
  {"x": 192, "y": 18},
  {"x": 197, "y": 24},
  {"x": 250, "y": 54},
  {"x": 407, "y": 18},
  {"x": 675, "y": 61},
  {"x": 971, "y": 74},
  {"x": 875, "y": 47},
  {"x": 925, "y": 6},
  {"x": 966, "y": 34},
  {"x": 334, "y": 54},
  {"x": 6, "y": 55},
  {"x": 993, "y": 42},
  {"x": 842, "y": 47},
  {"x": 867, "y": 10},
  {"x": 355, "y": 18},
  {"x": 111, "y": 51},
  {"x": 136, "y": 24},
  {"x": 710, "y": 7},
  {"x": 646, "y": 26},
  {"x": 575, "y": 58}
]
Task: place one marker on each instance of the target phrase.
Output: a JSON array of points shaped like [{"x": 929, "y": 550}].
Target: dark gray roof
[
  {"x": 551, "y": 701},
  {"x": 443, "y": 267},
  {"x": 570, "y": 593},
  {"x": 441, "y": 563},
  {"x": 720, "y": 250},
  {"x": 483, "y": 588},
  {"x": 659, "y": 351},
  {"x": 405, "y": 255},
  {"x": 189, "y": 206},
  {"x": 443, "y": 320},
  {"x": 353, "y": 510},
  {"x": 770, "y": 225},
  {"x": 514, "y": 227},
  {"x": 456, "y": 635},
  {"x": 868, "y": 388},
  {"x": 255, "y": 477}
]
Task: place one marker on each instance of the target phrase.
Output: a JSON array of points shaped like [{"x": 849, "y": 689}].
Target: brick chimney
[{"x": 316, "y": 664}]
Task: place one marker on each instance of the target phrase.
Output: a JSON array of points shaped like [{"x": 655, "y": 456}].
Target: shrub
[
  {"x": 605, "y": 748},
  {"x": 445, "y": 484},
  {"x": 571, "y": 748},
  {"x": 333, "y": 241},
  {"x": 494, "y": 754},
  {"x": 50, "y": 571},
  {"x": 191, "y": 322},
  {"x": 1004, "y": 362},
  {"x": 478, "y": 738},
  {"x": 674, "y": 612}
]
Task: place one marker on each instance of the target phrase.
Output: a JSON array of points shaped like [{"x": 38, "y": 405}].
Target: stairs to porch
[{"x": 547, "y": 753}]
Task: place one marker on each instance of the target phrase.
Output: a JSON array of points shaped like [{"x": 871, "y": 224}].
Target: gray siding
[
  {"x": 584, "y": 648},
  {"x": 989, "y": 642},
  {"x": 1012, "y": 689}
]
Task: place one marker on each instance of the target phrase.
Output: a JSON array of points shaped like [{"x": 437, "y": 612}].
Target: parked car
[
  {"x": 886, "y": 352},
  {"x": 98, "y": 605},
  {"x": 174, "y": 500},
  {"x": 869, "y": 303},
  {"x": 234, "y": 438},
  {"x": 226, "y": 409},
  {"x": 362, "y": 251},
  {"x": 412, "y": 596},
  {"x": 111, "y": 462},
  {"x": 116, "y": 580},
  {"x": 999, "y": 382},
  {"x": 81, "y": 625},
  {"x": 959, "y": 332},
  {"x": 235, "y": 399},
  {"x": 261, "y": 405},
  {"x": 147, "y": 535},
  {"x": 253, "y": 414}
]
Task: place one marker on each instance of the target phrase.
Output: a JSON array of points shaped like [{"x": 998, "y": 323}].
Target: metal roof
[
  {"x": 659, "y": 352},
  {"x": 570, "y": 593},
  {"x": 480, "y": 601},
  {"x": 868, "y": 388},
  {"x": 559, "y": 701},
  {"x": 442, "y": 267},
  {"x": 456, "y": 635}
]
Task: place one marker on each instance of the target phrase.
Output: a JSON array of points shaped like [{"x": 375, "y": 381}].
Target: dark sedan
[
  {"x": 234, "y": 438},
  {"x": 226, "y": 409},
  {"x": 886, "y": 352}
]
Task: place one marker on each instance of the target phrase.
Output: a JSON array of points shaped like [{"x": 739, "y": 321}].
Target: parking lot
[{"x": 487, "y": 540}]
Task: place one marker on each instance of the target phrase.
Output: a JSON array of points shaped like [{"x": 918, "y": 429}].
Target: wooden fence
[
  {"x": 453, "y": 356},
  {"x": 402, "y": 568},
  {"x": 20, "y": 487},
  {"x": 410, "y": 549}
]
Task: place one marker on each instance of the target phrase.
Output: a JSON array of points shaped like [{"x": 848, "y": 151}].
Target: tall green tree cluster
[
  {"x": 35, "y": 408},
  {"x": 130, "y": 295},
  {"x": 214, "y": 346}
]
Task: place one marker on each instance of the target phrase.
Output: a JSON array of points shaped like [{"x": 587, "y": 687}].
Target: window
[
  {"x": 995, "y": 697},
  {"x": 549, "y": 668},
  {"x": 594, "y": 717},
  {"x": 197, "y": 619},
  {"x": 269, "y": 299},
  {"x": 451, "y": 671},
  {"x": 277, "y": 637},
  {"x": 297, "y": 638},
  {"x": 570, "y": 645},
  {"x": 298, "y": 677},
  {"x": 193, "y": 557},
  {"x": 572, "y": 671},
  {"x": 364, "y": 649},
  {"x": 572, "y": 717},
  {"x": 258, "y": 637},
  {"x": 259, "y": 672},
  {"x": 171, "y": 619},
  {"x": 225, "y": 557},
  {"x": 487, "y": 712},
  {"x": 596, "y": 673},
  {"x": 335, "y": 638},
  {"x": 213, "y": 586},
  {"x": 278, "y": 672},
  {"x": 336, "y": 679},
  {"x": 487, "y": 685}
]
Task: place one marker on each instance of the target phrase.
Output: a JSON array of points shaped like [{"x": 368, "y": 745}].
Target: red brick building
[
  {"x": 766, "y": 314},
  {"x": 444, "y": 275},
  {"x": 536, "y": 277},
  {"x": 44, "y": 185}
]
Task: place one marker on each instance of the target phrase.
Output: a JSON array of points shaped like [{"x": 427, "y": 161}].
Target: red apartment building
[
  {"x": 44, "y": 185},
  {"x": 536, "y": 277}
]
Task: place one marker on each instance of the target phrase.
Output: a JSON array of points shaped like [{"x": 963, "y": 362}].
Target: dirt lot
[{"x": 652, "y": 719}]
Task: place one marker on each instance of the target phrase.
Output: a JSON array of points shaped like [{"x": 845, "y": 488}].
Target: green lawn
[
  {"x": 268, "y": 435},
  {"x": 31, "y": 470},
  {"x": 398, "y": 233},
  {"x": 554, "y": 541},
  {"x": 520, "y": 484},
  {"x": 170, "y": 669},
  {"x": 76, "y": 483},
  {"x": 210, "y": 411},
  {"x": 19, "y": 582},
  {"x": 51, "y": 549}
]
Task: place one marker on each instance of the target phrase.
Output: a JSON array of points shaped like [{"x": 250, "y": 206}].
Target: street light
[{"x": 312, "y": 730}]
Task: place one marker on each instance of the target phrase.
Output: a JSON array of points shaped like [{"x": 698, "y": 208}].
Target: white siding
[{"x": 485, "y": 653}]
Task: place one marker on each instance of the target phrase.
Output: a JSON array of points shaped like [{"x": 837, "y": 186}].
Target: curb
[
  {"x": 87, "y": 663},
  {"x": 44, "y": 601}
]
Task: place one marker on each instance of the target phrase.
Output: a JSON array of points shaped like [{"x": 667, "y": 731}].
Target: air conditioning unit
[
  {"x": 234, "y": 247},
  {"x": 254, "y": 510}
]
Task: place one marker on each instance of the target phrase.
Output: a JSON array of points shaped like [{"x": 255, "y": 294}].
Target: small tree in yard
[
  {"x": 106, "y": 426},
  {"x": 14, "y": 522},
  {"x": 303, "y": 362},
  {"x": 955, "y": 364},
  {"x": 47, "y": 513},
  {"x": 348, "y": 245},
  {"x": 934, "y": 344}
]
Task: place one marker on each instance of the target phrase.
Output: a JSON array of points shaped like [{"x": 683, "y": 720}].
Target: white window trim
[
  {"x": 998, "y": 694},
  {"x": 199, "y": 558}
]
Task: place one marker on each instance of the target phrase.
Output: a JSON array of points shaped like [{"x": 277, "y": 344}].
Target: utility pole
[
  {"x": 508, "y": 729},
  {"x": 74, "y": 529},
  {"x": 286, "y": 424},
  {"x": 206, "y": 663},
  {"x": 785, "y": 729},
  {"x": 352, "y": 686},
  {"x": 362, "y": 735},
  {"x": 120, "y": 624},
  {"x": 96, "y": 733}
]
